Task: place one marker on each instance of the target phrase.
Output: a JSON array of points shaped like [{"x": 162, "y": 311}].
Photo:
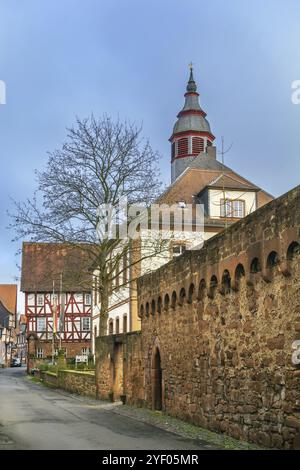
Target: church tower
[{"x": 191, "y": 133}]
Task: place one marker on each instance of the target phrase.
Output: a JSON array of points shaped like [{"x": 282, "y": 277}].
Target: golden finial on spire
[{"x": 191, "y": 65}]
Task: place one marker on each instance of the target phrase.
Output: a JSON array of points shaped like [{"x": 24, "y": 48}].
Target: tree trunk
[{"x": 104, "y": 296}]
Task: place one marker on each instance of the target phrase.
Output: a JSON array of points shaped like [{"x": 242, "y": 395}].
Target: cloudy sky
[{"x": 128, "y": 58}]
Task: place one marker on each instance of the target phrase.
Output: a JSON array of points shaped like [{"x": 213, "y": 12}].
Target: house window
[
  {"x": 111, "y": 327},
  {"x": 232, "y": 208},
  {"x": 238, "y": 208},
  {"x": 31, "y": 299},
  {"x": 79, "y": 297},
  {"x": 41, "y": 324},
  {"x": 40, "y": 300},
  {"x": 85, "y": 351},
  {"x": 117, "y": 326},
  {"x": 39, "y": 353},
  {"x": 225, "y": 208},
  {"x": 125, "y": 324},
  {"x": 178, "y": 249},
  {"x": 86, "y": 324},
  {"x": 88, "y": 299},
  {"x": 183, "y": 146}
]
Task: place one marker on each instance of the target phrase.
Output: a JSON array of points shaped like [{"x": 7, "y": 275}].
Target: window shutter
[
  {"x": 183, "y": 146},
  {"x": 198, "y": 145}
]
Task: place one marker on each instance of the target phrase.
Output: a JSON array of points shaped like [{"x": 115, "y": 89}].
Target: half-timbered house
[{"x": 58, "y": 299}]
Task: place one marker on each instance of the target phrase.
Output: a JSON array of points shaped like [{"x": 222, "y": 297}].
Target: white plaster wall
[{"x": 192, "y": 240}]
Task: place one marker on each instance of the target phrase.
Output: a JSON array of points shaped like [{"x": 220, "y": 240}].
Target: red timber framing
[{"x": 77, "y": 324}]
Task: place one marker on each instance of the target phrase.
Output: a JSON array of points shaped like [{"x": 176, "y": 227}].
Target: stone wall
[
  {"x": 118, "y": 367},
  {"x": 218, "y": 326},
  {"x": 80, "y": 382}
]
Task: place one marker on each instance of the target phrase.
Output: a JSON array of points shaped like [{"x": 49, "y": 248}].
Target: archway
[{"x": 156, "y": 381}]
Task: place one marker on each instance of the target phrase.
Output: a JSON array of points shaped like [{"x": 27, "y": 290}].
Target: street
[{"x": 36, "y": 417}]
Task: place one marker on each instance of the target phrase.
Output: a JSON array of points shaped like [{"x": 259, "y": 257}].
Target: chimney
[{"x": 211, "y": 151}]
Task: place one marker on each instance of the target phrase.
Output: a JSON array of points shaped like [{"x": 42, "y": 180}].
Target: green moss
[
  {"x": 185, "y": 429},
  {"x": 89, "y": 373}
]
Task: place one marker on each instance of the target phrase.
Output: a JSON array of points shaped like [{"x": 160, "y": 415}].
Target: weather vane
[{"x": 191, "y": 65}]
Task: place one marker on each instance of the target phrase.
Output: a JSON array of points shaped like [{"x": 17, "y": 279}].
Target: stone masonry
[{"x": 218, "y": 330}]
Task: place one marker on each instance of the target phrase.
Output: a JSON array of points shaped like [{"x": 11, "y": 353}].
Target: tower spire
[
  {"x": 191, "y": 86},
  {"x": 191, "y": 133}
]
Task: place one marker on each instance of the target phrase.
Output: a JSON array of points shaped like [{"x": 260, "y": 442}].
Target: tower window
[
  {"x": 183, "y": 146},
  {"x": 198, "y": 145}
]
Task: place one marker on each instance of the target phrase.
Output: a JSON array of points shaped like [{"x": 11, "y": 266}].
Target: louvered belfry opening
[
  {"x": 183, "y": 146},
  {"x": 198, "y": 145}
]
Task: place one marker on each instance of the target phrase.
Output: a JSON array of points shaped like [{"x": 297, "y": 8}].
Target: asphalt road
[{"x": 36, "y": 417}]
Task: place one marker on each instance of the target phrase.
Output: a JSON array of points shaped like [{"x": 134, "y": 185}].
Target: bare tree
[{"x": 101, "y": 163}]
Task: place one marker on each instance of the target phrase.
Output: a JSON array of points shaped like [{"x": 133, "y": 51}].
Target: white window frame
[
  {"x": 83, "y": 327},
  {"x": 232, "y": 208},
  {"x": 39, "y": 320},
  {"x": 88, "y": 299},
  {"x": 40, "y": 353},
  {"x": 40, "y": 300},
  {"x": 31, "y": 299},
  {"x": 225, "y": 207},
  {"x": 78, "y": 297},
  {"x": 238, "y": 208}
]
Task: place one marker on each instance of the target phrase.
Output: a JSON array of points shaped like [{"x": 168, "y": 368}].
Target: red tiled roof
[{"x": 43, "y": 263}]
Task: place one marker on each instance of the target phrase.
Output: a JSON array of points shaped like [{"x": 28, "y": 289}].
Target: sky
[{"x": 129, "y": 58}]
